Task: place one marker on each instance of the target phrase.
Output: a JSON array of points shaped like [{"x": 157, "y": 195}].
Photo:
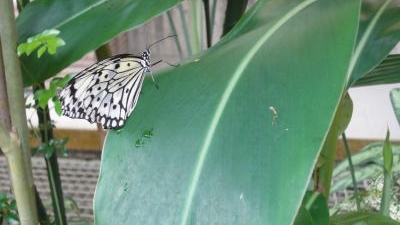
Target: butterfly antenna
[{"x": 170, "y": 36}]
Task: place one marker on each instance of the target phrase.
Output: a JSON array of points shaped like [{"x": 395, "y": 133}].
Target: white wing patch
[{"x": 107, "y": 91}]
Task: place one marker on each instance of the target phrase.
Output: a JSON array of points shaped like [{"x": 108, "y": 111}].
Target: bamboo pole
[{"x": 16, "y": 149}]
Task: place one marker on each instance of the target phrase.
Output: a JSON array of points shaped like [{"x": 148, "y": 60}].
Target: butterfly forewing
[{"x": 107, "y": 91}]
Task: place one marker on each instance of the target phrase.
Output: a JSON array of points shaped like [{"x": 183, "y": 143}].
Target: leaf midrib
[
  {"x": 224, "y": 100},
  {"x": 67, "y": 20}
]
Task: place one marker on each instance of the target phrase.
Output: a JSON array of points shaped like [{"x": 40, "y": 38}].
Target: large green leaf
[
  {"x": 236, "y": 131},
  {"x": 84, "y": 25},
  {"x": 385, "y": 73},
  {"x": 378, "y": 34}
]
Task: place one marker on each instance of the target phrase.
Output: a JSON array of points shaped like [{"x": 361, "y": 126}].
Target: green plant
[
  {"x": 377, "y": 163},
  {"x": 48, "y": 40},
  {"x": 8, "y": 209},
  {"x": 218, "y": 153}
]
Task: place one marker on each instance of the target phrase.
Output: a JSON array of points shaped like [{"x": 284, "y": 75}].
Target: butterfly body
[{"x": 107, "y": 91}]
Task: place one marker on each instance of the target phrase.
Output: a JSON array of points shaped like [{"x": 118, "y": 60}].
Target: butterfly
[{"x": 107, "y": 91}]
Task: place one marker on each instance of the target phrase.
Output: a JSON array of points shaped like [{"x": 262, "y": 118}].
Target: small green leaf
[
  {"x": 387, "y": 154},
  {"x": 41, "y": 51},
  {"x": 60, "y": 82},
  {"x": 47, "y": 40},
  {"x": 27, "y": 48},
  {"x": 57, "y": 105},
  {"x": 43, "y": 96}
]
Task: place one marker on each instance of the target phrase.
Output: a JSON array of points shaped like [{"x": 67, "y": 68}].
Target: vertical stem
[
  {"x": 328, "y": 152},
  {"x": 387, "y": 176},
  {"x": 208, "y": 22},
  {"x": 353, "y": 176},
  {"x": 53, "y": 171},
  {"x": 18, "y": 157},
  {"x": 14, "y": 81},
  {"x": 386, "y": 193},
  {"x": 42, "y": 213}
]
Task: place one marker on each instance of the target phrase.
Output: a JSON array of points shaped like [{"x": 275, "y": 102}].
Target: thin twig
[{"x": 353, "y": 176}]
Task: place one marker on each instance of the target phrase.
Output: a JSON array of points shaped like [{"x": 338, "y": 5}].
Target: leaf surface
[{"x": 236, "y": 130}]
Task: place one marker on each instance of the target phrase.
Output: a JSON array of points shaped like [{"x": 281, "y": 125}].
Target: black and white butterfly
[{"x": 107, "y": 91}]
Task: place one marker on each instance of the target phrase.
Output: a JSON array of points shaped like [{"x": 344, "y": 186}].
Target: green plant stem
[
  {"x": 208, "y": 22},
  {"x": 173, "y": 28},
  {"x": 53, "y": 171},
  {"x": 13, "y": 75},
  {"x": 328, "y": 153},
  {"x": 387, "y": 176},
  {"x": 18, "y": 154},
  {"x": 386, "y": 193},
  {"x": 42, "y": 213},
  {"x": 353, "y": 176},
  {"x": 340, "y": 121}
]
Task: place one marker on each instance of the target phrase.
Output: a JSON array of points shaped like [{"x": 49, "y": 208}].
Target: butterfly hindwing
[{"x": 107, "y": 91}]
